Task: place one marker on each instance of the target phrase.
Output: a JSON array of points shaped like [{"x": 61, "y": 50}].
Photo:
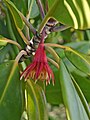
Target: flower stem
[
  {"x": 56, "y": 45},
  {"x": 21, "y": 53},
  {"x": 41, "y": 8},
  {"x": 33, "y": 30},
  {"x": 52, "y": 51},
  {"x": 43, "y": 35},
  {"x": 53, "y": 62}
]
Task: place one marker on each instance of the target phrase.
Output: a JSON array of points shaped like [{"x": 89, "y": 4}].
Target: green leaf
[
  {"x": 81, "y": 95},
  {"x": 72, "y": 102},
  {"x": 36, "y": 103},
  {"x": 74, "y": 13},
  {"x": 4, "y": 53},
  {"x": 53, "y": 93},
  {"x": 82, "y": 46},
  {"x": 87, "y": 34},
  {"x": 3, "y": 28},
  {"x": 33, "y": 9},
  {"x": 80, "y": 60},
  {"x": 21, "y": 5},
  {"x": 15, "y": 13},
  {"x": 10, "y": 92},
  {"x": 81, "y": 78},
  {"x": 3, "y": 42},
  {"x": 84, "y": 84}
]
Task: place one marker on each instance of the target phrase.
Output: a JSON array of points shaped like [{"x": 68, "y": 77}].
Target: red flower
[{"x": 39, "y": 68}]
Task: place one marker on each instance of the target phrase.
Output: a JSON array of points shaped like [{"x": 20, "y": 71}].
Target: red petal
[
  {"x": 50, "y": 73},
  {"x": 39, "y": 69},
  {"x": 28, "y": 70},
  {"x": 46, "y": 68}
]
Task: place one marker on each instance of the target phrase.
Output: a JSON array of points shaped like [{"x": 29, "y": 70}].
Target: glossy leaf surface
[
  {"x": 53, "y": 93},
  {"x": 84, "y": 84},
  {"x": 15, "y": 13},
  {"x": 82, "y": 97},
  {"x": 73, "y": 104},
  {"x": 33, "y": 9},
  {"x": 74, "y": 13},
  {"x": 36, "y": 103},
  {"x": 10, "y": 92},
  {"x": 2, "y": 41},
  {"x": 80, "y": 60}
]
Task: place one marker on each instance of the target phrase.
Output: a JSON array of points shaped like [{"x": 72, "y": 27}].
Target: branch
[
  {"x": 21, "y": 53},
  {"x": 33, "y": 30},
  {"x": 40, "y": 8}
]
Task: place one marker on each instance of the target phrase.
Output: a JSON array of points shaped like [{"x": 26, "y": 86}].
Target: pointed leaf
[
  {"x": 81, "y": 78},
  {"x": 84, "y": 84},
  {"x": 36, "y": 103},
  {"x": 80, "y": 60},
  {"x": 10, "y": 92},
  {"x": 33, "y": 9},
  {"x": 53, "y": 93},
  {"x": 73, "y": 104},
  {"x": 81, "y": 95},
  {"x": 2, "y": 41},
  {"x": 15, "y": 13},
  {"x": 74, "y": 13}
]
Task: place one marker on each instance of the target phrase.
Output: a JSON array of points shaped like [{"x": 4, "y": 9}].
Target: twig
[
  {"x": 40, "y": 8},
  {"x": 21, "y": 53},
  {"x": 46, "y": 6},
  {"x": 33, "y": 30}
]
